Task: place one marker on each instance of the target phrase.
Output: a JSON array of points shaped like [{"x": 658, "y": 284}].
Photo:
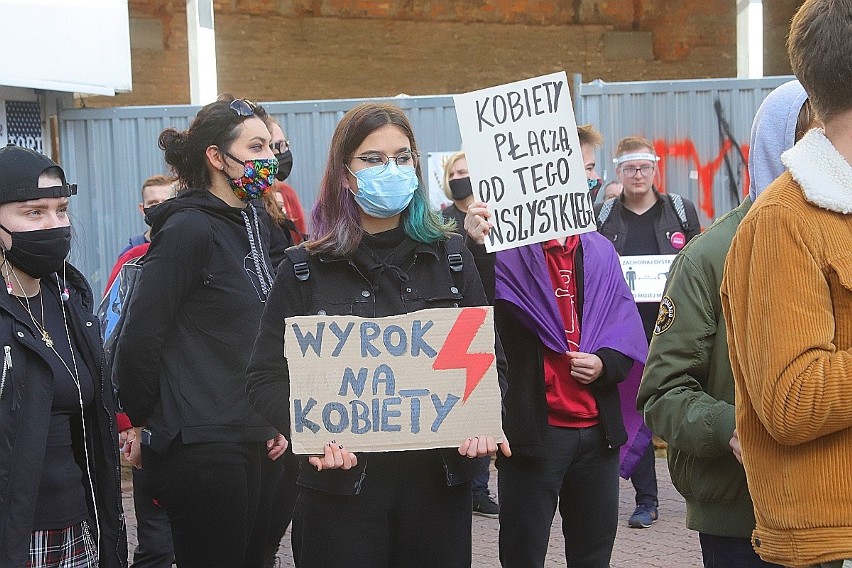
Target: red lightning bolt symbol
[{"x": 454, "y": 355}]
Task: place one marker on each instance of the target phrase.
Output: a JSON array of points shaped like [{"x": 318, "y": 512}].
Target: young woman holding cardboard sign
[{"x": 374, "y": 231}]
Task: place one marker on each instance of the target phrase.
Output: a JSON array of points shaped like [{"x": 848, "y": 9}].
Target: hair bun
[{"x": 174, "y": 145}]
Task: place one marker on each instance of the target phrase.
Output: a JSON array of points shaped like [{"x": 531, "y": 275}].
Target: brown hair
[
  {"x": 336, "y": 217},
  {"x": 632, "y": 144},
  {"x": 214, "y": 125},
  {"x": 821, "y": 54},
  {"x": 157, "y": 180},
  {"x": 589, "y": 136}
]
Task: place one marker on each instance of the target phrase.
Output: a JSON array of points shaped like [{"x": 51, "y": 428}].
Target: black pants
[
  {"x": 282, "y": 474},
  {"x": 730, "y": 552},
  {"x": 210, "y": 493},
  {"x": 153, "y": 531},
  {"x": 405, "y": 515},
  {"x": 480, "y": 479},
  {"x": 644, "y": 478},
  {"x": 580, "y": 474}
]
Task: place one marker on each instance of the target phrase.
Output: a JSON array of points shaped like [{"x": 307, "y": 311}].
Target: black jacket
[
  {"x": 525, "y": 401},
  {"x": 26, "y": 389},
  {"x": 339, "y": 286},
  {"x": 615, "y": 229},
  {"x": 181, "y": 357}
]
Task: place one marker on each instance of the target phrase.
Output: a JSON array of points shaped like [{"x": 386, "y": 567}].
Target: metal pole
[
  {"x": 202, "y": 51},
  {"x": 749, "y": 39}
]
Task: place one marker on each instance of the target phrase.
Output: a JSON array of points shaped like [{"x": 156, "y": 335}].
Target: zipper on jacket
[{"x": 7, "y": 366}]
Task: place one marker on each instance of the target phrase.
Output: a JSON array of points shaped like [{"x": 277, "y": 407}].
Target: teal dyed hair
[{"x": 422, "y": 223}]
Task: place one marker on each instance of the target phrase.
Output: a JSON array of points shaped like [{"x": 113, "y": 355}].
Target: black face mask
[
  {"x": 39, "y": 253},
  {"x": 285, "y": 165},
  {"x": 460, "y": 188}
]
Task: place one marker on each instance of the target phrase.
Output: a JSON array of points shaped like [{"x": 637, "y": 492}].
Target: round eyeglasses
[
  {"x": 645, "y": 170},
  {"x": 374, "y": 159}
]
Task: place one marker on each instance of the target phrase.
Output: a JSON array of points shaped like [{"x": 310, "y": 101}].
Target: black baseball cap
[{"x": 20, "y": 169}]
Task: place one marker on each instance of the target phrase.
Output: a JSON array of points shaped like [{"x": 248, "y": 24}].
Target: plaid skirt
[{"x": 72, "y": 547}]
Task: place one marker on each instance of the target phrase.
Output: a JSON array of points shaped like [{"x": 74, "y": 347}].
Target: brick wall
[{"x": 319, "y": 49}]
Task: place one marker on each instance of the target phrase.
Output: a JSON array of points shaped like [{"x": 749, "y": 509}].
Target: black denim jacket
[{"x": 336, "y": 285}]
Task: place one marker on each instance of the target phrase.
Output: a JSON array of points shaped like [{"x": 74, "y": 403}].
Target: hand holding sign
[
  {"x": 414, "y": 381},
  {"x": 476, "y": 223},
  {"x": 524, "y": 158}
]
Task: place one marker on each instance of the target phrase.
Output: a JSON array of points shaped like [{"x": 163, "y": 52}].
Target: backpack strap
[
  {"x": 676, "y": 201},
  {"x": 299, "y": 256},
  {"x": 453, "y": 247},
  {"x": 606, "y": 209}
]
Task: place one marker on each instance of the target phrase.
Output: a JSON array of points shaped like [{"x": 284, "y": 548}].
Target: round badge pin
[{"x": 678, "y": 240}]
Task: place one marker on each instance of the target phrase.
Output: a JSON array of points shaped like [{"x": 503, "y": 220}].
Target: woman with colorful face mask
[
  {"x": 181, "y": 357},
  {"x": 59, "y": 484},
  {"x": 378, "y": 250}
]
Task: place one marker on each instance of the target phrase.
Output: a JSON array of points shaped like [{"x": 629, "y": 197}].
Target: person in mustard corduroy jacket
[{"x": 787, "y": 300}]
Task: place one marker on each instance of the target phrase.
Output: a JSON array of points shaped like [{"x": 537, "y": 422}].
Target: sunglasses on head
[{"x": 242, "y": 107}]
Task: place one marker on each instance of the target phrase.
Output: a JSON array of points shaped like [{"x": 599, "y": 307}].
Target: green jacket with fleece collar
[{"x": 687, "y": 390}]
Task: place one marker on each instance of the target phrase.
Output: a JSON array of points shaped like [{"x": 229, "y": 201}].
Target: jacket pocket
[{"x": 840, "y": 283}]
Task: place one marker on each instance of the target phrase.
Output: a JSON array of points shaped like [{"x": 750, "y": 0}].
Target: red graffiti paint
[{"x": 685, "y": 149}]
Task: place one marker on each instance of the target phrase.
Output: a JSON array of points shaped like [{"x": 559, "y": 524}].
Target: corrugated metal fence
[{"x": 109, "y": 152}]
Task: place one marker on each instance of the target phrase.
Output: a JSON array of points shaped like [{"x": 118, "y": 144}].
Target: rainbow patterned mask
[{"x": 257, "y": 178}]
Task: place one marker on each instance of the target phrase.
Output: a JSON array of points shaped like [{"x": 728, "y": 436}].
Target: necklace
[{"x": 45, "y": 336}]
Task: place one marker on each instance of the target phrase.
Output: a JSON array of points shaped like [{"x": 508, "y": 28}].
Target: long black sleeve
[{"x": 172, "y": 268}]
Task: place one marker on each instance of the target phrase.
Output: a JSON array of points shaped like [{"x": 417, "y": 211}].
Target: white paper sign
[
  {"x": 525, "y": 162},
  {"x": 646, "y": 275},
  {"x": 435, "y": 171}
]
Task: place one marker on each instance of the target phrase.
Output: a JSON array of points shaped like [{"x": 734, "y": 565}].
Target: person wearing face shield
[
  {"x": 643, "y": 221},
  {"x": 60, "y": 501},
  {"x": 181, "y": 357}
]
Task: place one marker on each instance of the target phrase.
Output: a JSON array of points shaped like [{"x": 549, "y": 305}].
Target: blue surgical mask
[{"x": 385, "y": 191}]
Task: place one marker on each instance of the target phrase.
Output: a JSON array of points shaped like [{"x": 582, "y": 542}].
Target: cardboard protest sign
[
  {"x": 525, "y": 160},
  {"x": 427, "y": 379},
  {"x": 646, "y": 275}
]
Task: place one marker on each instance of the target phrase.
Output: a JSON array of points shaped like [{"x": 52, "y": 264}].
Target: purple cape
[{"x": 610, "y": 319}]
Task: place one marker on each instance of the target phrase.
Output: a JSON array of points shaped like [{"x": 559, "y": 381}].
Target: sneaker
[
  {"x": 643, "y": 517},
  {"x": 484, "y": 506}
]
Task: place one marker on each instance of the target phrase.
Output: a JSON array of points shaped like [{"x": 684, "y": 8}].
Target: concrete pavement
[{"x": 666, "y": 544}]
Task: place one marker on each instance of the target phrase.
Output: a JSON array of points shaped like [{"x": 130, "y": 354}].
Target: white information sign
[
  {"x": 525, "y": 162},
  {"x": 646, "y": 275}
]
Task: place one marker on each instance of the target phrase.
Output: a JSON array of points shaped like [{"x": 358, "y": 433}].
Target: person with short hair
[
  {"x": 643, "y": 221},
  {"x": 571, "y": 333},
  {"x": 155, "y": 190},
  {"x": 181, "y": 357},
  {"x": 687, "y": 391},
  {"x": 787, "y": 301},
  {"x": 60, "y": 502}
]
